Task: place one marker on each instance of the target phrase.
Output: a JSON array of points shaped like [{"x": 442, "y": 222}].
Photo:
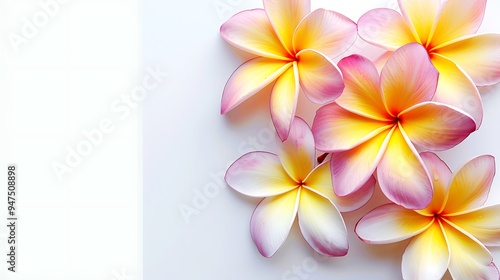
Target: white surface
[
  {"x": 188, "y": 146},
  {"x": 62, "y": 81}
]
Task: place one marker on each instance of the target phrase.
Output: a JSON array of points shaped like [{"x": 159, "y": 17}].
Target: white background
[
  {"x": 188, "y": 146},
  {"x": 60, "y": 82},
  {"x": 88, "y": 226}
]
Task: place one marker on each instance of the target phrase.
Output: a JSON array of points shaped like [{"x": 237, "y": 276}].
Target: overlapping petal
[
  {"x": 408, "y": 78},
  {"x": 285, "y": 16},
  {"x": 421, "y": 16},
  {"x": 251, "y": 31},
  {"x": 483, "y": 224},
  {"x": 391, "y": 223},
  {"x": 327, "y": 32},
  {"x": 385, "y": 28},
  {"x": 436, "y": 126},
  {"x": 401, "y": 174},
  {"x": 469, "y": 259},
  {"x": 320, "y": 182},
  {"x": 382, "y": 60},
  {"x": 362, "y": 93},
  {"x": 249, "y": 78},
  {"x": 442, "y": 240},
  {"x": 322, "y": 225},
  {"x": 458, "y": 18},
  {"x": 353, "y": 168},
  {"x": 457, "y": 89},
  {"x": 320, "y": 79},
  {"x": 259, "y": 174},
  {"x": 470, "y": 186},
  {"x": 441, "y": 175},
  {"x": 272, "y": 220},
  {"x": 336, "y": 129},
  {"x": 426, "y": 256},
  {"x": 478, "y": 56},
  {"x": 284, "y": 98},
  {"x": 297, "y": 153}
]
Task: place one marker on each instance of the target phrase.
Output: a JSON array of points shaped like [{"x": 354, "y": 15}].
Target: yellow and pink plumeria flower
[
  {"x": 377, "y": 122},
  {"x": 451, "y": 233},
  {"x": 294, "y": 47},
  {"x": 292, "y": 185},
  {"x": 446, "y": 29}
]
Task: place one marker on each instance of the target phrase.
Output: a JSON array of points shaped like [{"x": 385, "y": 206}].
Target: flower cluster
[{"x": 379, "y": 124}]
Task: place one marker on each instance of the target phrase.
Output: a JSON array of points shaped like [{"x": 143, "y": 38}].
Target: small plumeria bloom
[
  {"x": 378, "y": 121},
  {"x": 451, "y": 233},
  {"x": 447, "y": 31},
  {"x": 294, "y": 47},
  {"x": 292, "y": 185}
]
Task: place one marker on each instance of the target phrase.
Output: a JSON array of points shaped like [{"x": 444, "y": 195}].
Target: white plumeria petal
[
  {"x": 427, "y": 256},
  {"x": 259, "y": 174},
  {"x": 272, "y": 220},
  {"x": 322, "y": 225},
  {"x": 297, "y": 153},
  {"x": 391, "y": 223}
]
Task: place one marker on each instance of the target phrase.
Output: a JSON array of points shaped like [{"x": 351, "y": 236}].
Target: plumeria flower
[
  {"x": 290, "y": 184},
  {"x": 378, "y": 121},
  {"x": 451, "y": 233},
  {"x": 294, "y": 48},
  {"x": 447, "y": 31}
]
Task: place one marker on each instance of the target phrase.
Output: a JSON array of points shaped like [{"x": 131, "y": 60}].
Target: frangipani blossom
[
  {"x": 376, "y": 123},
  {"x": 446, "y": 29},
  {"x": 451, "y": 233},
  {"x": 294, "y": 48},
  {"x": 291, "y": 185}
]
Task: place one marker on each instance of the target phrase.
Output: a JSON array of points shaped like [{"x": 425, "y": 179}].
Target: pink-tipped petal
[
  {"x": 327, "y": 32},
  {"x": 284, "y": 101},
  {"x": 336, "y": 129},
  {"x": 251, "y": 31},
  {"x": 421, "y": 16},
  {"x": 297, "y": 153},
  {"x": 469, "y": 259},
  {"x": 457, "y": 89},
  {"x": 352, "y": 169},
  {"x": 408, "y": 78},
  {"x": 320, "y": 182},
  {"x": 471, "y": 185},
  {"x": 478, "y": 56},
  {"x": 248, "y": 79},
  {"x": 285, "y": 16},
  {"x": 391, "y": 223},
  {"x": 385, "y": 28},
  {"x": 259, "y": 174},
  {"x": 322, "y": 225},
  {"x": 427, "y": 255},
  {"x": 458, "y": 18},
  {"x": 362, "y": 93},
  {"x": 320, "y": 79},
  {"x": 441, "y": 175},
  {"x": 483, "y": 224},
  {"x": 272, "y": 220},
  {"x": 402, "y": 175},
  {"x": 436, "y": 126}
]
